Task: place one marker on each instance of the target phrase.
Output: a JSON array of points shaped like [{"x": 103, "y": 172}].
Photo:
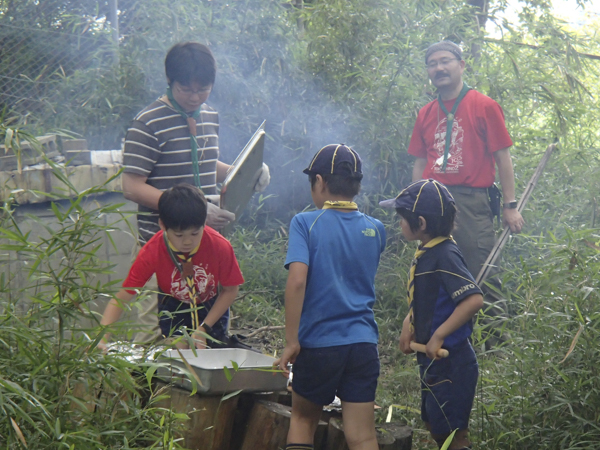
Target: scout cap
[
  {"x": 427, "y": 197},
  {"x": 444, "y": 46},
  {"x": 336, "y": 159}
]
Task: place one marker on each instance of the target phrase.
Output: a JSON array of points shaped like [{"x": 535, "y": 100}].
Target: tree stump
[
  {"x": 242, "y": 414},
  {"x": 390, "y": 436},
  {"x": 86, "y": 396},
  {"x": 401, "y": 433},
  {"x": 268, "y": 427},
  {"x": 335, "y": 435},
  {"x": 211, "y": 418}
]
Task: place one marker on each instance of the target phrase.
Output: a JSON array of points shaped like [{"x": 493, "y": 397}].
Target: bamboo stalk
[
  {"x": 493, "y": 256},
  {"x": 421, "y": 348}
]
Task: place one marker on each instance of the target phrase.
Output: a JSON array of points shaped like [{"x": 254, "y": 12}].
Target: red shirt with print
[
  {"x": 214, "y": 263},
  {"x": 478, "y": 131}
]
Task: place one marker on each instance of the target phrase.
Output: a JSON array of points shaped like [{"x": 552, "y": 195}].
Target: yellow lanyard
[{"x": 186, "y": 268}]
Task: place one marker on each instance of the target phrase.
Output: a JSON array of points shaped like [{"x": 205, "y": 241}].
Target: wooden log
[
  {"x": 335, "y": 435},
  {"x": 285, "y": 398},
  {"x": 401, "y": 433},
  {"x": 328, "y": 414},
  {"x": 84, "y": 397},
  {"x": 88, "y": 397},
  {"x": 268, "y": 427},
  {"x": 211, "y": 418},
  {"x": 390, "y": 436},
  {"x": 242, "y": 414}
]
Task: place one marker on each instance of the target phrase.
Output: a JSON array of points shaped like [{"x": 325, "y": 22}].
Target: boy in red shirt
[{"x": 190, "y": 261}]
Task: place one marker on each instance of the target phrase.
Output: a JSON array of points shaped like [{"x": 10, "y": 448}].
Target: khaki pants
[
  {"x": 147, "y": 319},
  {"x": 475, "y": 235}
]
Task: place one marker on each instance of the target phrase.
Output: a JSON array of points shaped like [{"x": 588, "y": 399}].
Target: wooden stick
[
  {"x": 491, "y": 259},
  {"x": 265, "y": 328},
  {"x": 421, "y": 348}
]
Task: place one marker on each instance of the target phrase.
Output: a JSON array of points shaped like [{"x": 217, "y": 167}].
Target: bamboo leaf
[{"x": 18, "y": 432}]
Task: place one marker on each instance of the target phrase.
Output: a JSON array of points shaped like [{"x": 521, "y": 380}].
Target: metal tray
[
  {"x": 238, "y": 186},
  {"x": 254, "y": 372}
]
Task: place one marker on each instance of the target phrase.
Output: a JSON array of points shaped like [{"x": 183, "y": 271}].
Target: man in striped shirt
[{"x": 175, "y": 140}]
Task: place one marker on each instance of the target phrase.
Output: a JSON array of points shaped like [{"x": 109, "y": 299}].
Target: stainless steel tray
[{"x": 245, "y": 370}]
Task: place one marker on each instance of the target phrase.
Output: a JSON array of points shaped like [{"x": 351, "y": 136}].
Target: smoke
[
  {"x": 299, "y": 121},
  {"x": 254, "y": 84},
  {"x": 267, "y": 70}
]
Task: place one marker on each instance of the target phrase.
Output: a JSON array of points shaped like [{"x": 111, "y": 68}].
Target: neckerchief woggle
[
  {"x": 411, "y": 273},
  {"x": 450, "y": 120},
  {"x": 191, "y": 121},
  {"x": 340, "y": 204},
  {"x": 186, "y": 268}
]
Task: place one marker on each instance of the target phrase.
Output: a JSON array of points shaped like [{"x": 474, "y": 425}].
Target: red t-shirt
[
  {"x": 478, "y": 131},
  {"x": 214, "y": 264}
]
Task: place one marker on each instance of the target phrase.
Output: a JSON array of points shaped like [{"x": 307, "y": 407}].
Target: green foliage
[
  {"x": 99, "y": 100},
  {"x": 12, "y": 136},
  {"x": 543, "y": 391},
  {"x": 57, "y": 390},
  {"x": 41, "y": 43},
  {"x": 348, "y": 71}
]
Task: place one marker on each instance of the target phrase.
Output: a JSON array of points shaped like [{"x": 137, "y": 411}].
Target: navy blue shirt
[{"x": 442, "y": 281}]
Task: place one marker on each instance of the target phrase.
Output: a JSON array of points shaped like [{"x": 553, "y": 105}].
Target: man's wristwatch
[
  {"x": 510, "y": 205},
  {"x": 206, "y": 327}
]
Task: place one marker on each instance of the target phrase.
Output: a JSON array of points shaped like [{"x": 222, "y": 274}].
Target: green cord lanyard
[
  {"x": 191, "y": 121},
  {"x": 450, "y": 120}
]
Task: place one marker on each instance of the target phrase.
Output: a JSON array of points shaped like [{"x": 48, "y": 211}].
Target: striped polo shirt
[{"x": 157, "y": 146}]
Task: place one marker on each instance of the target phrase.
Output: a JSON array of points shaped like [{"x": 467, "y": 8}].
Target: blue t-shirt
[
  {"x": 341, "y": 250},
  {"x": 442, "y": 281}
]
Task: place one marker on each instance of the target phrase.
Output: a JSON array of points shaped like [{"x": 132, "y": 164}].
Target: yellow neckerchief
[
  {"x": 411, "y": 273},
  {"x": 340, "y": 204},
  {"x": 186, "y": 267}
]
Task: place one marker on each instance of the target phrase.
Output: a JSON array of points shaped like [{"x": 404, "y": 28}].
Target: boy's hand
[
  {"x": 435, "y": 343},
  {"x": 199, "y": 339},
  {"x": 288, "y": 357},
  {"x": 405, "y": 338}
]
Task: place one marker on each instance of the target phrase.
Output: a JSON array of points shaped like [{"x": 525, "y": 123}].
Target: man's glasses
[
  {"x": 442, "y": 63},
  {"x": 189, "y": 92}
]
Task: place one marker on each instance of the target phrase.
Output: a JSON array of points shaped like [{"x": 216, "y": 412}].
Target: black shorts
[
  {"x": 348, "y": 371},
  {"x": 173, "y": 315},
  {"x": 448, "y": 389}
]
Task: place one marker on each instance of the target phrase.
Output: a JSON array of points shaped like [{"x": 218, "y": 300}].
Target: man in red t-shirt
[
  {"x": 190, "y": 261},
  {"x": 465, "y": 160}
]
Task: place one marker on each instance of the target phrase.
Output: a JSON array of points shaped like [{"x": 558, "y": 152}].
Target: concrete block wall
[
  {"x": 34, "y": 215},
  {"x": 30, "y": 185},
  {"x": 40, "y": 222}
]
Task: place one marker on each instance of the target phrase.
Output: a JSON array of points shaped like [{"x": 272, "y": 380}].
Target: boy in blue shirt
[
  {"x": 331, "y": 334},
  {"x": 443, "y": 298}
]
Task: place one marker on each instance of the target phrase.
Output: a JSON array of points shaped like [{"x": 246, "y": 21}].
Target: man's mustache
[{"x": 440, "y": 75}]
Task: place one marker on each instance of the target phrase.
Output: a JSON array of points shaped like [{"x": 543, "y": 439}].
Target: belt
[{"x": 459, "y": 189}]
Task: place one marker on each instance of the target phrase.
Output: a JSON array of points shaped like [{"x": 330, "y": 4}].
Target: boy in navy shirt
[
  {"x": 443, "y": 298},
  {"x": 331, "y": 334}
]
